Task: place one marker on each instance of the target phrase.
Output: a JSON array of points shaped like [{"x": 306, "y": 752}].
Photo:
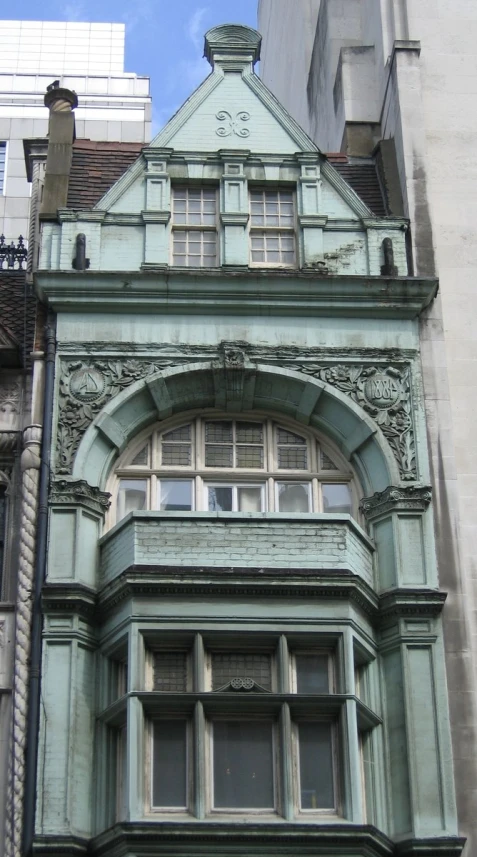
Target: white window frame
[
  {"x": 273, "y": 231},
  {"x": 268, "y": 477},
  {"x": 191, "y": 228}
]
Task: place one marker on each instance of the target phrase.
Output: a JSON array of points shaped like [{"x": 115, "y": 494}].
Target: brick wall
[{"x": 271, "y": 541}]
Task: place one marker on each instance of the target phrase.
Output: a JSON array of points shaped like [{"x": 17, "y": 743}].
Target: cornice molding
[
  {"x": 234, "y": 219},
  {"x": 79, "y": 493},
  {"x": 288, "y": 293},
  {"x": 156, "y": 216},
  {"x": 231, "y": 583},
  {"x": 410, "y": 498}
]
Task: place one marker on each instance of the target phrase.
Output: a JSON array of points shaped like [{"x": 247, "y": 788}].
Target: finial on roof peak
[{"x": 232, "y": 42}]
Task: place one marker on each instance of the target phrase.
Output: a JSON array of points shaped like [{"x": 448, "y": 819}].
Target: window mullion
[
  {"x": 200, "y": 776},
  {"x": 354, "y": 801},
  {"x": 284, "y": 665},
  {"x": 286, "y": 763},
  {"x": 136, "y": 762},
  {"x": 198, "y": 664}
]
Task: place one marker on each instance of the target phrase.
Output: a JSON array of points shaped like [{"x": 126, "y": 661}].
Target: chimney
[{"x": 61, "y": 134}]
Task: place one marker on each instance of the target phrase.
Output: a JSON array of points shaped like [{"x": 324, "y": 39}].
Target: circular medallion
[
  {"x": 382, "y": 391},
  {"x": 87, "y": 384}
]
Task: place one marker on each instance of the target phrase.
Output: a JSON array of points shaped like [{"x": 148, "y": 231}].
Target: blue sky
[{"x": 164, "y": 38}]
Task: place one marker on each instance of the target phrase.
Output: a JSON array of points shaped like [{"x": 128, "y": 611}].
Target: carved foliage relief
[
  {"x": 382, "y": 390},
  {"x": 85, "y": 387}
]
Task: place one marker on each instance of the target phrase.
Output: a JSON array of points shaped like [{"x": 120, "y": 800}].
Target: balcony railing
[{"x": 13, "y": 257}]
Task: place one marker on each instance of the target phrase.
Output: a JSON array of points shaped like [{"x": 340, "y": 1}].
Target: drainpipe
[
  {"x": 61, "y": 134},
  {"x": 40, "y": 573}
]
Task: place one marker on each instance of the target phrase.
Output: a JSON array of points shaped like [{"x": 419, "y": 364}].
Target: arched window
[{"x": 223, "y": 464}]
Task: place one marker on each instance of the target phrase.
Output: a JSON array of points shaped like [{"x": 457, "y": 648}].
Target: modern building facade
[
  {"x": 86, "y": 58},
  {"x": 242, "y": 644},
  {"x": 397, "y": 81}
]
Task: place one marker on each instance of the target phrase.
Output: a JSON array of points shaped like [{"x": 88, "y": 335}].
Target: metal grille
[
  {"x": 229, "y": 665},
  {"x": 292, "y": 458},
  {"x": 176, "y": 454},
  {"x": 170, "y": 671},
  {"x": 327, "y": 463}
]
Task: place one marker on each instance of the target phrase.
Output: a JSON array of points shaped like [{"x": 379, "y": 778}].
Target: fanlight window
[{"x": 232, "y": 465}]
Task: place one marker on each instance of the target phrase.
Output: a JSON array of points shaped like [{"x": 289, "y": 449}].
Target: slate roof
[
  {"x": 18, "y": 313},
  {"x": 98, "y": 165},
  {"x": 362, "y": 176}
]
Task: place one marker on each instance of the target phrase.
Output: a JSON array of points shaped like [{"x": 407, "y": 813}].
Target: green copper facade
[{"x": 143, "y": 610}]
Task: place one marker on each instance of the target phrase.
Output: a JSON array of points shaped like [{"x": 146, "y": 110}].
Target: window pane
[
  {"x": 229, "y": 665},
  {"x": 175, "y": 495},
  {"x": 218, "y": 456},
  {"x": 336, "y": 498},
  {"x": 327, "y": 463},
  {"x": 142, "y": 457},
  {"x": 285, "y": 436},
  {"x": 131, "y": 496},
  {"x": 249, "y": 498},
  {"x": 220, "y": 498},
  {"x": 176, "y": 454},
  {"x": 243, "y": 765},
  {"x": 170, "y": 671},
  {"x": 169, "y": 778},
  {"x": 312, "y": 673},
  {"x": 249, "y": 433},
  {"x": 178, "y": 434},
  {"x": 316, "y": 766},
  {"x": 293, "y": 497},
  {"x": 292, "y": 458},
  {"x": 218, "y": 432},
  {"x": 249, "y": 456}
]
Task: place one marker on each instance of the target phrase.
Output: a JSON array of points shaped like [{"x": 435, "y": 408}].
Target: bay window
[
  {"x": 255, "y": 725},
  {"x": 244, "y": 724},
  {"x": 245, "y": 464}
]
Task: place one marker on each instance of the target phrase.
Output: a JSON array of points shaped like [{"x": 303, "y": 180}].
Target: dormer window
[
  {"x": 194, "y": 227},
  {"x": 272, "y": 228}
]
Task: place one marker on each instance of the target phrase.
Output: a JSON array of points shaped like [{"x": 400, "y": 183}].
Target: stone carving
[
  {"x": 85, "y": 386},
  {"x": 384, "y": 392},
  {"x": 9, "y": 442},
  {"x": 30, "y": 465},
  {"x": 10, "y": 398},
  {"x": 231, "y": 125},
  {"x": 78, "y": 492},
  {"x": 409, "y": 498}
]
